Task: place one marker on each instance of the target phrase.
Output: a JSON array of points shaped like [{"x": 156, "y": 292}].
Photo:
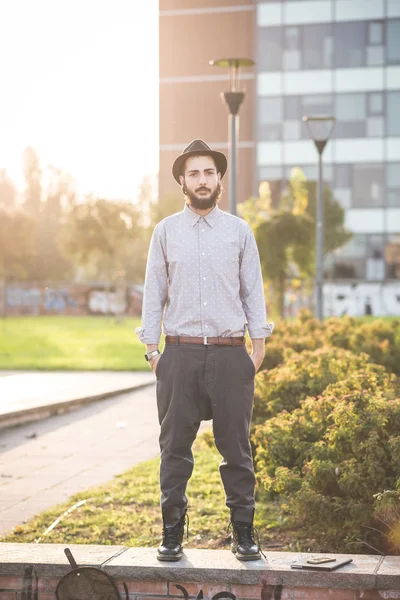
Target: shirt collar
[{"x": 192, "y": 216}]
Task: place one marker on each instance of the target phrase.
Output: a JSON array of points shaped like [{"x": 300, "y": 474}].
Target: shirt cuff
[
  {"x": 148, "y": 336},
  {"x": 263, "y": 332}
]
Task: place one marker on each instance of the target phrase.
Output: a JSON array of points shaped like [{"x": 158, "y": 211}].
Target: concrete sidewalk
[
  {"x": 46, "y": 462},
  {"x": 31, "y": 396}
]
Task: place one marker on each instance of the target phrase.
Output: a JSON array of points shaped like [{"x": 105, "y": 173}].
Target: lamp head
[
  {"x": 234, "y": 65},
  {"x": 319, "y": 128}
]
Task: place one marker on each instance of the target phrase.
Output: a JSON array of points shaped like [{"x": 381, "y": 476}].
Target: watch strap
[{"x": 152, "y": 354}]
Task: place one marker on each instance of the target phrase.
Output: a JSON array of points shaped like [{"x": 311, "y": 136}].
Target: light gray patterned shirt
[{"x": 203, "y": 278}]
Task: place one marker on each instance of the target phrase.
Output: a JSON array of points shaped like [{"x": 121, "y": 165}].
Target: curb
[{"x": 27, "y": 415}]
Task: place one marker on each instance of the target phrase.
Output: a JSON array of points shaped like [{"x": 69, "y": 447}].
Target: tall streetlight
[
  {"x": 319, "y": 129},
  {"x": 233, "y": 99}
]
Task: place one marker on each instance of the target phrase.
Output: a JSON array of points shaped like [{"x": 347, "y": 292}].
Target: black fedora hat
[{"x": 198, "y": 147}]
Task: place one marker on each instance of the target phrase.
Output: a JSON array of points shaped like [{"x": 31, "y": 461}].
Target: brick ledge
[{"x": 366, "y": 572}]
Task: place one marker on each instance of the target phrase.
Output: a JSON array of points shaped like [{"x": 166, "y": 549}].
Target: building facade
[
  {"x": 341, "y": 58},
  {"x": 336, "y": 57},
  {"x": 193, "y": 32}
]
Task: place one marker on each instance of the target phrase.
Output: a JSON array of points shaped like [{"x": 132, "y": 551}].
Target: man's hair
[{"x": 203, "y": 154}]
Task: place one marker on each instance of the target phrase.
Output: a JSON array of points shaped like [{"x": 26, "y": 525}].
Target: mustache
[{"x": 203, "y": 189}]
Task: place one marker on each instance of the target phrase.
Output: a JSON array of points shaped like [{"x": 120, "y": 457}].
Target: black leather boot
[
  {"x": 243, "y": 543},
  {"x": 170, "y": 548}
]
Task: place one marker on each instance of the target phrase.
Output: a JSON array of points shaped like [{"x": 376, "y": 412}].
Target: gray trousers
[{"x": 194, "y": 383}]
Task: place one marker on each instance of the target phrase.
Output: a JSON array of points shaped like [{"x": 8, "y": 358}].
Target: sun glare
[{"x": 75, "y": 86}]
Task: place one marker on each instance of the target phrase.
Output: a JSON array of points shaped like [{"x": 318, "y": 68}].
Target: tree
[
  {"x": 33, "y": 185},
  {"x": 50, "y": 264},
  {"x": 17, "y": 235},
  {"x": 166, "y": 206},
  {"x": 8, "y": 193},
  {"x": 97, "y": 235},
  {"x": 286, "y": 235}
]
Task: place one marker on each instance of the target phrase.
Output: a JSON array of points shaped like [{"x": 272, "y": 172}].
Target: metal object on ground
[{"x": 87, "y": 583}]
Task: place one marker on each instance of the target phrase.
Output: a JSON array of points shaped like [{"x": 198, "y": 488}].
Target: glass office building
[{"x": 341, "y": 58}]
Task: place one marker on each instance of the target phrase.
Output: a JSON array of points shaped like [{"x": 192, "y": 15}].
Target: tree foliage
[
  {"x": 286, "y": 234},
  {"x": 8, "y": 192},
  {"x": 98, "y": 233}
]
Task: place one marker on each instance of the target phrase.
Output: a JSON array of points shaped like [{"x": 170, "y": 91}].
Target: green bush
[
  {"x": 330, "y": 455},
  {"x": 301, "y": 374},
  {"x": 378, "y": 338}
]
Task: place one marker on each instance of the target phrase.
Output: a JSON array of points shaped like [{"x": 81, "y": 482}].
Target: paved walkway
[
  {"x": 36, "y": 394},
  {"x": 43, "y": 463}
]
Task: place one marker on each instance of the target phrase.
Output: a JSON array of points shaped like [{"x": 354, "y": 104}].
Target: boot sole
[
  {"x": 249, "y": 557},
  {"x": 169, "y": 558}
]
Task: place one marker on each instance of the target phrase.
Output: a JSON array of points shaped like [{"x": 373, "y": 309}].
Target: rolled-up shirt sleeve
[
  {"x": 155, "y": 291},
  {"x": 252, "y": 288}
]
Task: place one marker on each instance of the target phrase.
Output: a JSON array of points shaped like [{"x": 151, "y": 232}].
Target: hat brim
[{"x": 220, "y": 161}]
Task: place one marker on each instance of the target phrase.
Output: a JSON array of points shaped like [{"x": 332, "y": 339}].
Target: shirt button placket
[{"x": 202, "y": 254}]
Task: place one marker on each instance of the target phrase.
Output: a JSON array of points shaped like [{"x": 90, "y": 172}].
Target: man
[{"x": 203, "y": 281}]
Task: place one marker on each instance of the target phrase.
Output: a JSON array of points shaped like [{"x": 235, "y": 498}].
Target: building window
[
  {"x": 393, "y": 45},
  {"x": 350, "y": 111},
  {"x": 350, "y": 44},
  {"x": 317, "y": 47},
  {"x": 311, "y": 172},
  {"x": 343, "y": 177},
  {"x": 270, "y": 118},
  {"x": 393, "y": 113},
  {"x": 291, "y": 55},
  {"x": 375, "y": 265},
  {"x": 349, "y": 261},
  {"x": 393, "y": 185},
  {"x": 392, "y": 256},
  {"x": 270, "y": 49},
  {"x": 368, "y": 186},
  {"x": 292, "y": 130},
  {"x": 292, "y": 107},
  {"x": 375, "y": 103},
  {"x": 375, "y": 48},
  {"x": 314, "y": 105}
]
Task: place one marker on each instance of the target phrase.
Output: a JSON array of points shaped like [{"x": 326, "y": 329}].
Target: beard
[{"x": 203, "y": 203}]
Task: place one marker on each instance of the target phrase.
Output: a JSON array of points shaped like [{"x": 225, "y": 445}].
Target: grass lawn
[
  {"x": 83, "y": 343},
  {"x": 125, "y": 511}
]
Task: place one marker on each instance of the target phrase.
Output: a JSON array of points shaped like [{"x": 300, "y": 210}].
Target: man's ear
[
  {"x": 181, "y": 179},
  {"x": 219, "y": 177}
]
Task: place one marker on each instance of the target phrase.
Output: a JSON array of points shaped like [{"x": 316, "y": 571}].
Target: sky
[{"x": 79, "y": 83}]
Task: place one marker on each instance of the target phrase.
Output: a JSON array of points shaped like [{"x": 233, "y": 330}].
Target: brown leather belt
[{"x": 207, "y": 341}]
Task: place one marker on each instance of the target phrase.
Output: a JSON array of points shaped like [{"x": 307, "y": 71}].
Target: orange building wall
[{"x": 193, "y": 109}]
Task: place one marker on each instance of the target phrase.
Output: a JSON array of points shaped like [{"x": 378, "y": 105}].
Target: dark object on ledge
[{"x": 86, "y": 582}]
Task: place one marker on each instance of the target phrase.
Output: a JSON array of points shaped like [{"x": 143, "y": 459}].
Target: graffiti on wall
[
  {"x": 104, "y": 302},
  {"x": 74, "y": 299},
  {"x": 360, "y": 299},
  {"x": 53, "y": 300}
]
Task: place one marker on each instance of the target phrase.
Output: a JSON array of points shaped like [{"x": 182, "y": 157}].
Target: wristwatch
[{"x": 151, "y": 354}]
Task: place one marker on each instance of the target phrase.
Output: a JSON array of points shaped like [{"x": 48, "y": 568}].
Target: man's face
[{"x": 201, "y": 182}]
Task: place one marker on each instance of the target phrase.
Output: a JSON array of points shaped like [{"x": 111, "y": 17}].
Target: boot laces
[
  {"x": 175, "y": 533},
  {"x": 246, "y": 533}
]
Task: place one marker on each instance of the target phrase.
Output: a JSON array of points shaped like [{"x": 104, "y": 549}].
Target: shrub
[
  {"x": 330, "y": 455},
  {"x": 301, "y": 374}
]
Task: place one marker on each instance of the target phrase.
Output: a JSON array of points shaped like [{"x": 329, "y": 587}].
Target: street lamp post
[
  {"x": 233, "y": 99},
  {"x": 319, "y": 129}
]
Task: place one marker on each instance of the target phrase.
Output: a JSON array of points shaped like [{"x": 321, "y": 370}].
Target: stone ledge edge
[{"x": 248, "y": 574}]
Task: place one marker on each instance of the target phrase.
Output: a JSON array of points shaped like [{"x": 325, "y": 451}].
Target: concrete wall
[{"x": 25, "y": 298}]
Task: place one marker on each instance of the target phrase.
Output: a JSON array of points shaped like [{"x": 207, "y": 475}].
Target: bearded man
[{"x": 204, "y": 285}]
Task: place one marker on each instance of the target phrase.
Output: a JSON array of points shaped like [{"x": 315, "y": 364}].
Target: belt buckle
[{"x": 205, "y": 343}]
